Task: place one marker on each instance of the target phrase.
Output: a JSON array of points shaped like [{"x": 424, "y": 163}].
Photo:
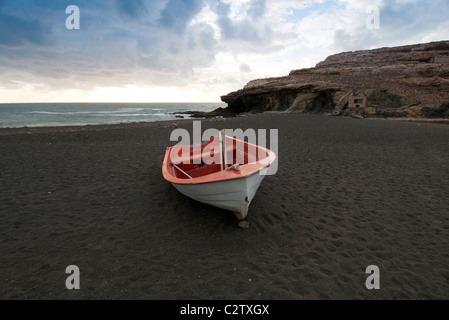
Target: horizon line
[{"x": 111, "y": 102}]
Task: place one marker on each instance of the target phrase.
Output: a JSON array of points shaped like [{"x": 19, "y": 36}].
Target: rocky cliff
[{"x": 410, "y": 81}]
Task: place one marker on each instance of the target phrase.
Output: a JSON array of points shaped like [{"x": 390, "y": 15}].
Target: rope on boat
[
  {"x": 234, "y": 167},
  {"x": 174, "y": 165}
]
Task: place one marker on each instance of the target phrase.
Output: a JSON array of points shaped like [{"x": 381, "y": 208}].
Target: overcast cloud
[{"x": 196, "y": 50}]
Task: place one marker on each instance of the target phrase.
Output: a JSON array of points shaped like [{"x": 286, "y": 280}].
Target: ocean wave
[
  {"x": 139, "y": 115},
  {"x": 111, "y": 112},
  {"x": 131, "y": 109}
]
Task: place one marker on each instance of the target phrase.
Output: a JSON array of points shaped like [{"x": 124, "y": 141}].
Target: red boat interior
[{"x": 236, "y": 153}]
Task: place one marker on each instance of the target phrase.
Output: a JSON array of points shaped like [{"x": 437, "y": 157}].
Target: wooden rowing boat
[{"x": 224, "y": 172}]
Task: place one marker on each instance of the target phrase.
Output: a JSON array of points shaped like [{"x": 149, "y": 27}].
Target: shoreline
[
  {"x": 169, "y": 123},
  {"x": 423, "y": 120},
  {"x": 95, "y": 127}
]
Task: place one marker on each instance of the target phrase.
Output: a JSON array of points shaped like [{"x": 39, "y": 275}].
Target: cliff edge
[{"x": 410, "y": 81}]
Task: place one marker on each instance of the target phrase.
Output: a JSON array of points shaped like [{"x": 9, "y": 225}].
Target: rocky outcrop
[{"x": 410, "y": 81}]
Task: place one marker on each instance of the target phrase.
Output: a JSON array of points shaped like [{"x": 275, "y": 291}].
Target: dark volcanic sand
[{"x": 349, "y": 193}]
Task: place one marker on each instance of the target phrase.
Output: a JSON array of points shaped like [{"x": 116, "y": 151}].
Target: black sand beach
[{"x": 349, "y": 193}]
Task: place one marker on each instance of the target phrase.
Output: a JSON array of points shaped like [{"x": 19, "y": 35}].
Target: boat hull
[
  {"x": 234, "y": 195},
  {"x": 230, "y": 181}
]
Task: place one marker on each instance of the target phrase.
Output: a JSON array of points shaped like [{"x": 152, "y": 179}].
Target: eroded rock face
[{"x": 408, "y": 81}]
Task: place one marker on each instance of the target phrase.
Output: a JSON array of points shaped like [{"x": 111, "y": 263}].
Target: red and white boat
[{"x": 227, "y": 180}]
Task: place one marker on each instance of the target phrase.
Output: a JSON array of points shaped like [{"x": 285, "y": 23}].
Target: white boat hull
[{"x": 234, "y": 195}]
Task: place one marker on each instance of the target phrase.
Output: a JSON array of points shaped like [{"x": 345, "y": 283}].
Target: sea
[{"x": 79, "y": 114}]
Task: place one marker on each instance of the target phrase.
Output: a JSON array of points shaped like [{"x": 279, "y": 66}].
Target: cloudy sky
[{"x": 189, "y": 50}]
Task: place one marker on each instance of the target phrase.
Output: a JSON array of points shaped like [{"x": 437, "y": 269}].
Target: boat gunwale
[
  {"x": 222, "y": 180},
  {"x": 245, "y": 170}
]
